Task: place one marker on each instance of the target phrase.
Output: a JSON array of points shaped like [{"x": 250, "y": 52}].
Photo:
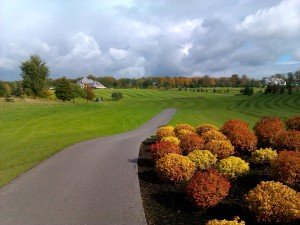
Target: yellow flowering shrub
[
  {"x": 174, "y": 167},
  {"x": 165, "y": 131},
  {"x": 236, "y": 221},
  {"x": 233, "y": 167},
  {"x": 205, "y": 127},
  {"x": 172, "y": 139},
  {"x": 204, "y": 159},
  {"x": 213, "y": 135},
  {"x": 221, "y": 148},
  {"x": 272, "y": 201},
  {"x": 261, "y": 156},
  {"x": 182, "y": 133},
  {"x": 183, "y": 126}
]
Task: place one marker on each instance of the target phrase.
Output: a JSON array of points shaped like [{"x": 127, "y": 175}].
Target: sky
[{"x": 135, "y": 38}]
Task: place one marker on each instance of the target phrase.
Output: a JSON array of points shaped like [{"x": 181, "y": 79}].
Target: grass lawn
[{"x": 33, "y": 130}]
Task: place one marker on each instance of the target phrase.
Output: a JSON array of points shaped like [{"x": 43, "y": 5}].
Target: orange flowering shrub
[
  {"x": 172, "y": 139},
  {"x": 174, "y": 167},
  {"x": 286, "y": 168},
  {"x": 207, "y": 188},
  {"x": 213, "y": 135},
  {"x": 221, "y": 148},
  {"x": 160, "y": 149},
  {"x": 183, "y": 126},
  {"x": 293, "y": 123},
  {"x": 190, "y": 143},
  {"x": 240, "y": 136},
  {"x": 204, "y": 159},
  {"x": 165, "y": 131},
  {"x": 236, "y": 221},
  {"x": 206, "y": 127},
  {"x": 268, "y": 130},
  {"x": 289, "y": 140},
  {"x": 274, "y": 202}
]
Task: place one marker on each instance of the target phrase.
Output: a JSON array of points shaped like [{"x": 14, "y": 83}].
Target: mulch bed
[{"x": 166, "y": 204}]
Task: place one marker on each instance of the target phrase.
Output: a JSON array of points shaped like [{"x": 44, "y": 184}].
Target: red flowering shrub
[
  {"x": 268, "y": 130},
  {"x": 240, "y": 136},
  {"x": 163, "y": 148},
  {"x": 293, "y": 123},
  {"x": 221, "y": 148},
  {"x": 286, "y": 168},
  {"x": 189, "y": 143},
  {"x": 207, "y": 188},
  {"x": 205, "y": 127},
  {"x": 289, "y": 140}
]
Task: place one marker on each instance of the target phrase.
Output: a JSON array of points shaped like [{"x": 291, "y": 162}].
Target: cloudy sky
[{"x": 134, "y": 38}]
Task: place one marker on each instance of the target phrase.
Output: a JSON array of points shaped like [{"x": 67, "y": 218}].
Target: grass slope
[{"x": 33, "y": 130}]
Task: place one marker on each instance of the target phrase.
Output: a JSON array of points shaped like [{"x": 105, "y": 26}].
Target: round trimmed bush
[
  {"x": 165, "y": 131},
  {"x": 172, "y": 139},
  {"x": 233, "y": 167},
  {"x": 289, "y": 140},
  {"x": 204, "y": 159},
  {"x": 221, "y": 148},
  {"x": 213, "y": 135},
  {"x": 190, "y": 143},
  {"x": 293, "y": 123},
  {"x": 263, "y": 156},
  {"x": 236, "y": 221},
  {"x": 206, "y": 127},
  {"x": 207, "y": 188},
  {"x": 183, "y": 126},
  {"x": 268, "y": 130},
  {"x": 286, "y": 168},
  {"x": 233, "y": 125},
  {"x": 182, "y": 133},
  {"x": 274, "y": 202},
  {"x": 160, "y": 149},
  {"x": 174, "y": 167}
]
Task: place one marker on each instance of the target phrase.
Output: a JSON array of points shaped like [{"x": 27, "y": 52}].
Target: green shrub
[
  {"x": 117, "y": 95},
  {"x": 274, "y": 202},
  {"x": 174, "y": 167},
  {"x": 204, "y": 159},
  {"x": 207, "y": 188},
  {"x": 221, "y": 148},
  {"x": 233, "y": 167},
  {"x": 262, "y": 156}
]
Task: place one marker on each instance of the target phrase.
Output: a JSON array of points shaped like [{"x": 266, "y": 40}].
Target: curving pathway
[{"x": 90, "y": 183}]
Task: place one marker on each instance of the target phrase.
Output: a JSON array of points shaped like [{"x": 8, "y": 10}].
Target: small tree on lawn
[
  {"x": 90, "y": 95},
  {"x": 63, "y": 89},
  {"x": 117, "y": 96},
  {"x": 5, "y": 89},
  {"x": 247, "y": 90},
  {"x": 77, "y": 92}
]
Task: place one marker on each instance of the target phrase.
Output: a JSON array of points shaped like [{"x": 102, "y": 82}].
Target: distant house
[
  {"x": 85, "y": 83},
  {"x": 274, "y": 81}
]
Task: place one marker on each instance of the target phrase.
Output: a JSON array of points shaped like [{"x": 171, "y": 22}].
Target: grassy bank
[{"x": 33, "y": 130}]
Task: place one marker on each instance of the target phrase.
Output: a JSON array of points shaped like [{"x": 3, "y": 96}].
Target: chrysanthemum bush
[
  {"x": 181, "y": 133},
  {"x": 240, "y": 136},
  {"x": 213, "y": 135},
  {"x": 165, "y": 131},
  {"x": 207, "y": 188},
  {"x": 221, "y": 148},
  {"x": 204, "y": 159},
  {"x": 189, "y": 143},
  {"x": 274, "y": 202},
  {"x": 233, "y": 167},
  {"x": 289, "y": 140},
  {"x": 160, "y": 149},
  {"x": 174, "y": 167},
  {"x": 172, "y": 139},
  {"x": 205, "y": 127},
  {"x": 263, "y": 156},
  {"x": 293, "y": 123},
  {"x": 235, "y": 221},
  {"x": 183, "y": 126},
  {"x": 268, "y": 130},
  {"x": 286, "y": 168}
]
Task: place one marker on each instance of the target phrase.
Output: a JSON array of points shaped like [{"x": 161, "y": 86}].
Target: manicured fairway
[{"x": 31, "y": 131}]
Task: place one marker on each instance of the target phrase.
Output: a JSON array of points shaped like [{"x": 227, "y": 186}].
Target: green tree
[
  {"x": 5, "y": 89},
  {"x": 247, "y": 90},
  {"x": 289, "y": 83},
  {"x": 63, "y": 89},
  {"x": 35, "y": 73},
  {"x": 89, "y": 94},
  {"x": 117, "y": 96},
  {"x": 77, "y": 92}
]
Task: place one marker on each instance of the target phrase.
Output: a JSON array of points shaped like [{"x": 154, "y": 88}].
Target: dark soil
[{"x": 166, "y": 204}]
